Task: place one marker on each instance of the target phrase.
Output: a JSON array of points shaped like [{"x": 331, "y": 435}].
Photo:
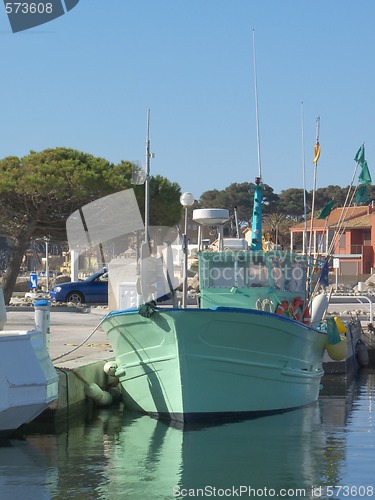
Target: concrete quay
[{"x": 76, "y": 366}]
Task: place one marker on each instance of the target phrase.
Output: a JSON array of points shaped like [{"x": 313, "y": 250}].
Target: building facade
[{"x": 347, "y": 234}]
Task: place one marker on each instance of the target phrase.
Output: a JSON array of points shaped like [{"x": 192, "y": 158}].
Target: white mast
[
  {"x": 256, "y": 107},
  {"x": 317, "y": 147},
  {"x": 147, "y": 181},
  {"x": 304, "y": 185},
  {"x": 256, "y": 223}
]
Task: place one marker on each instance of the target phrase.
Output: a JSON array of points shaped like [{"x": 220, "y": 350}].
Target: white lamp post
[
  {"x": 46, "y": 241},
  {"x": 186, "y": 200}
]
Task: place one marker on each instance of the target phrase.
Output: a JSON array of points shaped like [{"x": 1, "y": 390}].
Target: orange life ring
[
  {"x": 306, "y": 316},
  {"x": 295, "y": 309},
  {"x": 282, "y": 308}
]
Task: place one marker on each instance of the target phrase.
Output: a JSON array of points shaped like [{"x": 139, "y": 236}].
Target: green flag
[
  {"x": 326, "y": 210},
  {"x": 365, "y": 176},
  {"x": 360, "y": 156},
  {"x": 361, "y": 195}
]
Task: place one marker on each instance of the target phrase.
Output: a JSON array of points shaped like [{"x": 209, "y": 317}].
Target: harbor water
[{"x": 326, "y": 450}]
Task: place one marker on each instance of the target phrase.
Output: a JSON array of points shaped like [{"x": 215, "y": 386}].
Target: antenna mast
[
  {"x": 256, "y": 223},
  {"x": 304, "y": 243},
  {"x": 256, "y": 107},
  {"x": 315, "y": 161},
  {"x": 147, "y": 181}
]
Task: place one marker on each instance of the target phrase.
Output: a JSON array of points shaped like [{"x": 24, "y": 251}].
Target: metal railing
[
  {"x": 353, "y": 250},
  {"x": 358, "y": 298}
]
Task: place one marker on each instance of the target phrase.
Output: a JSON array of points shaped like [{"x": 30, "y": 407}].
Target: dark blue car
[{"x": 92, "y": 290}]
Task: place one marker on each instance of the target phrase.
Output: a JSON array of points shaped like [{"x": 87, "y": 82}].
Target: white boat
[{"x": 28, "y": 380}]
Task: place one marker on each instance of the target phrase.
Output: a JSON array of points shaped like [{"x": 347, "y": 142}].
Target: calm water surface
[{"x": 117, "y": 455}]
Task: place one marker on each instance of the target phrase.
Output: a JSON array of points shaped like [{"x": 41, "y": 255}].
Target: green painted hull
[{"x": 189, "y": 364}]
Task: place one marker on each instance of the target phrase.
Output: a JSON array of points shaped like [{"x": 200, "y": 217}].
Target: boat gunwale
[{"x": 219, "y": 309}]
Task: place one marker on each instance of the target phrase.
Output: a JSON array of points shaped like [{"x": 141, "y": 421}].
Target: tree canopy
[
  {"x": 39, "y": 191},
  {"x": 289, "y": 202},
  {"x": 241, "y": 197},
  {"x": 280, "y": 211},
  {"x": 165, "y": 206}
]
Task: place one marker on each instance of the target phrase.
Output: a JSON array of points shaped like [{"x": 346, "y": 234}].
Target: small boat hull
[
  {"x": 190, "y": 364},
  {"x": 348, "y": 365},
  {"x": 28, "y": 380}
]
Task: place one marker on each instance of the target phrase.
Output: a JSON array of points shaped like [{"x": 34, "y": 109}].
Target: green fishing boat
[{"x": 248, "y": 348}]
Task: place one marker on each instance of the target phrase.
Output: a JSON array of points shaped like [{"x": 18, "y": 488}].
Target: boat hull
[
  {"x": 28, "y": 380},
  {"x": 190, "y": 364}
]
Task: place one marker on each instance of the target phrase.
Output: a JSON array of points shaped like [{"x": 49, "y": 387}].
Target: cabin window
[
  {"x": 257, "y": 274},
  {"x": 222, "y": 276},
  {"x": 220, "y": 271},
  {"x": 278, "y": 273},
  {"x": 227, "y": 270},
  {"x": 296, "y": 282},
  {"x": 287, "y": 274}
]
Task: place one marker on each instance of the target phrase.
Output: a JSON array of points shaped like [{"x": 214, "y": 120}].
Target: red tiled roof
[
  {"x": 358, "y": 222},
  {"x": 359, "y": 213}
]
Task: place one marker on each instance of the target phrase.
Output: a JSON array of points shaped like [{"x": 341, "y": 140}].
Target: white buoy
[
  {"x": 361, "y": 286},
  {"x": 42, "y": 319},
  {"x": 106, "y": 400},
  {"x": 94, "y": 392},
  {"x": 102, "y": 398},
  {"x": 110, "y": 368},
  {"x": 319, "y": 306}
]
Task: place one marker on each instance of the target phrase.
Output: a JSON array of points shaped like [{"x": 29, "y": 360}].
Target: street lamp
[
  {"x": 186, "y": 200},
  {"x": 46, "y": 241}
]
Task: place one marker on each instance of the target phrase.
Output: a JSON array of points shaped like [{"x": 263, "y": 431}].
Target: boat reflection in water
[
  {"x": 126, "y": 455},
  {"x": 278, "y": 451}
]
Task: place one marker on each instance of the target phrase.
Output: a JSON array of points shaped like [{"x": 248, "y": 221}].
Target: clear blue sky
[{"x": 86, "y": 80}]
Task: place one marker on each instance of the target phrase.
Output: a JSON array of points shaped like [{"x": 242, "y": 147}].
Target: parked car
[{"x": 92, "y": 290}]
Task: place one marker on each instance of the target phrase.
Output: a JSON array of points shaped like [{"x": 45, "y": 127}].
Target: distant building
[{"x": 353, "y": 244}]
